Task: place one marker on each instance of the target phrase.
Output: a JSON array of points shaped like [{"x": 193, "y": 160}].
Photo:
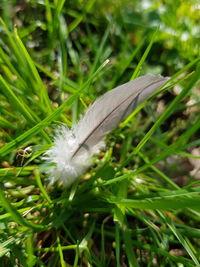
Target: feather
[{"x": 73, "y": 148}]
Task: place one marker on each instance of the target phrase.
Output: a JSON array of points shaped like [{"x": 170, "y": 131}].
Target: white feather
[{"x": 73, "y": 149}]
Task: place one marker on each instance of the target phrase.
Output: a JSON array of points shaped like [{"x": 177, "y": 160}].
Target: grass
[{"x": 139, "y": 204}]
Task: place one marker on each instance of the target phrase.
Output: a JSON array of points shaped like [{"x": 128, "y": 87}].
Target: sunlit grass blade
[
  {"x": 172, "y": 200},
  {"x": 137, "y": 70},
  {"x": 58, "y": 6},
  {"x": 40, "y": 87}
]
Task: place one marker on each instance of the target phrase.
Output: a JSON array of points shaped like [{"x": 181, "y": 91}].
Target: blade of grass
[
  {"x": 100, "y": 51},
  {"x": 16, "y": 215},
  {"x": 24, "y": 59},
  {"x": 76, "y": 256},
  {"x": 151, "y": 248},
  {"x": 161, "y": 174},
  {"x": 59, "y": 6},
  {"x": 62, "y": 57},
  {"x": 62, "y": 262},
  {"x": 129, "y": 248},
  {"x": 79, "y": 18},
  {"x": 6, "y": 124},
  {"x": 117, "y": 244},
  {"x": 42, "y": 90},
  {"x": 13, "y": 171},
  {"x": 49, "y": 19},
  {"x": 136, "y": 73},
  {"x": 172, "y": 148},
  {"x": 188, "y": 247},
  {"x": 20, "y": 105},
  {"x": 41, "y": 187},
  {"x": 31, "y": 259},
  {"x": 177, "y": 200},
  {"x": 124, "y": 65}
]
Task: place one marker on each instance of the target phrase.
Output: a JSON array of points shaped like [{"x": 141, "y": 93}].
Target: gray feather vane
[{"x": 73, "y": 148}]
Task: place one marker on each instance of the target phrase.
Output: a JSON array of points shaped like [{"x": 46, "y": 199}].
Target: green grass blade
[
  {"x": 180, "y": 199},
  {"x": 136, "y": 73},
  {"x": 42, "y": 90},
  {"x": 16, "y": 215},
  {"x": 188, "y": 247},
  {"x": 129, "y": 248}
]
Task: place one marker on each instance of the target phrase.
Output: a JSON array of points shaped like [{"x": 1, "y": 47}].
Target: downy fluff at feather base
[
  {"x": 73, "y": 148},
  {"x": 65, "y": 168}
]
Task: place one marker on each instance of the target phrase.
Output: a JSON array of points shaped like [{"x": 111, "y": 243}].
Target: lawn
[{"x": 138, "y": 204}]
